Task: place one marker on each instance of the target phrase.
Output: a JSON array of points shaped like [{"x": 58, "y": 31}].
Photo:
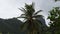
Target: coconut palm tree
[{"x": 31, "y": 24}]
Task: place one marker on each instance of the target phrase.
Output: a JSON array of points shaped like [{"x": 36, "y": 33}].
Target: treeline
[
  {"x": 54, "y": 17},
  {"x": 12, "y": 26}
]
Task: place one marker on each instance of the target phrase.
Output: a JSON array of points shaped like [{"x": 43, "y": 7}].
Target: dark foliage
[{"x": 10, "y": 25}]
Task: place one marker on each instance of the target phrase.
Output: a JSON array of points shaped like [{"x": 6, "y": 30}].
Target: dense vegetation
[{"x": 54, "y": 20}]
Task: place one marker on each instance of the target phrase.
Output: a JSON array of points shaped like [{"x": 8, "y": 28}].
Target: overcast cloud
[{"x": 9, "y": 8}]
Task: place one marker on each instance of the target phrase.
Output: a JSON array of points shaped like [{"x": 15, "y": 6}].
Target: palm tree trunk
[
  {"x": 34, "y": 32},
  {"x": 31, "y": 32}
]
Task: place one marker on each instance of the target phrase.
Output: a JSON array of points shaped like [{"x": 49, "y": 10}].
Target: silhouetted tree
[{"x": 33, "y": 24}]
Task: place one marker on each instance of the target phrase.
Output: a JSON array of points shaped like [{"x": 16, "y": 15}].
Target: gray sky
[{"x": 9, "y": 8}]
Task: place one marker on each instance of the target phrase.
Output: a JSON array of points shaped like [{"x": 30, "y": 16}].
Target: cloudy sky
[{"x": 9, "y": 8}]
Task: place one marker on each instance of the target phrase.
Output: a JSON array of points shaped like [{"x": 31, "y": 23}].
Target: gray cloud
[{"x": 9, "y": 8}]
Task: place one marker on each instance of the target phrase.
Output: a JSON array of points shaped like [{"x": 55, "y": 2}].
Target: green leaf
[
  {"x": 37, "y": 16},
  {"x": 21, "y": 17},
  {"x": 57, "y": 0},
  {"x": 23, "y": 10},
  {"x": 37, "y": 12}
]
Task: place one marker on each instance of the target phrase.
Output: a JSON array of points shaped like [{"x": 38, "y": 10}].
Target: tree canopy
[
  {"x": 55, "y": 20},
  {"x": 32, "y": 24}
]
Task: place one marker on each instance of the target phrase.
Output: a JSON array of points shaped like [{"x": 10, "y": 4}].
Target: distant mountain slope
[{"x": 10, "y": 25}]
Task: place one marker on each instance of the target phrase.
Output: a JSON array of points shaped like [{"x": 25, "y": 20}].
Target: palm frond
[
  {"x": 21, "y": 17},
  {"x": 55, "y": 0},
  {"x": 36, "y": 24},
  {"x": 25, "y": 19},
  {"x": 24, "y": 26},
  {"x": 40, "y": 26},
  {"x": 33, "y": 4},
  {"x": 37, "y": 16},
  {"x": 37, "y": 12},
  {"x": 22, "y": 10}
]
